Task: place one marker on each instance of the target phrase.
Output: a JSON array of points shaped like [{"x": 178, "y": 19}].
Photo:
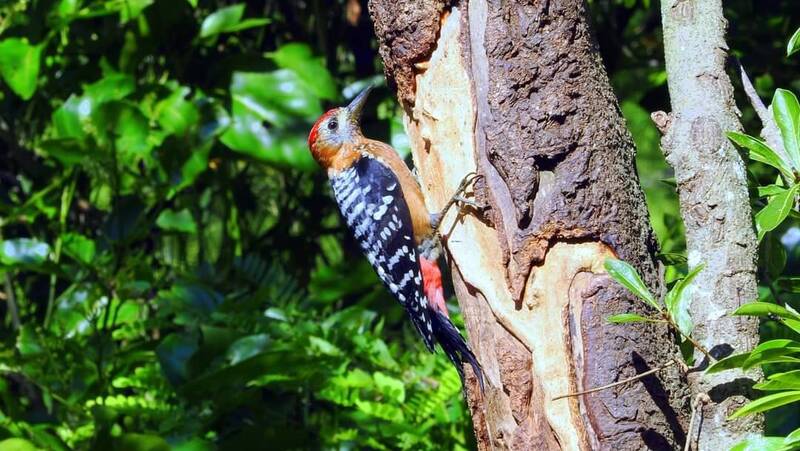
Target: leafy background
[{"x": 174, "y": 273}]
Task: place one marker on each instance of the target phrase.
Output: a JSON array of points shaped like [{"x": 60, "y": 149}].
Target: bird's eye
[{"x": 333, "y": 124}]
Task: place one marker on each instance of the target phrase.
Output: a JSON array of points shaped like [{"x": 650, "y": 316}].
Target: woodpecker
[{"x": 383, "y": 207}]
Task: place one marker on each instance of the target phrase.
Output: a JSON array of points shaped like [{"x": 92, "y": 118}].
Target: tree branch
[
  {"x": 769, "y": 130},
  {"x": 618, "y": 383}
]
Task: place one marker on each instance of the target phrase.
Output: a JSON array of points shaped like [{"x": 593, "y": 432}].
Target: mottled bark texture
[
  {"x": 516, "y": 91},
  {"x": 712, "y": 187}
]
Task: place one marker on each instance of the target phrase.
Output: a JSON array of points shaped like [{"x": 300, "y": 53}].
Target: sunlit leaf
[
  {"x": 298, "y": 58},
  {"x": 177, "y": 221},
  {"x": 759, "y": 443},
  {"x": 19, "y": 65},
  {"x": 760, "y": 151},
  {"x": 176, "y": 114},
  {"x": 623, "y": 318},
  {"x": 789, "y": 380},
  {"x": 246, "y": 347},
  {"x": 730, "y": 362},
  {"x": 678, "y": 301},
  {"x": 25, "y": 251},
  {"x": 627, "y": 276},
  {"x": 133, "y": 9},
  {"x": 275, "y": 97},
  {"x": 786, "y": 111},
  {"x": 391, "y": 387},
  {"x": 794, "y": 43},
  {"x": 228, "y": 20},
  {"x": 28, "y": 342},
  {"x": 777, "y": 209},
  {"x": 78, "y": 247},
  {"x": 767, "y": 403},
  {"x": 771, "y": 351},
  {"x": 17, "y": 444}
]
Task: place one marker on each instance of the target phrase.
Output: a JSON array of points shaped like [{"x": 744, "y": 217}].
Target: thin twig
[
  {"x": 10, "y": 298},
  {"x": 752, "y": 95},
  {"x": 701, "y": 398},
  {"x": 622, "y": 382},
  {"x": 769, "y": 129},
  {"x": 12, "y": 302},
  {"x": 691, "y": 340}
]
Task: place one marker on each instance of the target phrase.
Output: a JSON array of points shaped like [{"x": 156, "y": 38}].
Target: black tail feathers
[{"x": 455, "y": 346}]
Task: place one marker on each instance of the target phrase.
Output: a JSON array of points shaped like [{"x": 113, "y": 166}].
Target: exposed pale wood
[{"x": 533, "y": 291}]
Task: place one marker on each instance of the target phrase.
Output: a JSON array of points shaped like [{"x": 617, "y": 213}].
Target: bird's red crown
[{"x": 312, "y": 136}]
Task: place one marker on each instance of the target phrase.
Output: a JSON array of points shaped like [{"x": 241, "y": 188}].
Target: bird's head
[{"x": 336, "y": 128}]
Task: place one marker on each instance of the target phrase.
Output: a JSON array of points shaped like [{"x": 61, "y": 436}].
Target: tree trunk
[
  {"x": 715, "y": 206},
  {"x": 517, "y": 93}
]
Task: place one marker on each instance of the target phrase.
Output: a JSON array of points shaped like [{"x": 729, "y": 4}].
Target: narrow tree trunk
[
  {"x": 517, "y": 93},
  {"x": 712, "y": 186}
]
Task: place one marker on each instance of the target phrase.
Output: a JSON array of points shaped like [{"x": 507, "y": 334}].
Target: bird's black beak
[{"x": 357, "y": 105}]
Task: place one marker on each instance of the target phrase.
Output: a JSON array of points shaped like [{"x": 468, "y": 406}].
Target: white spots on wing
[
  {"x": 376, "y": 214},
  {"x": 379, "y": 213}
]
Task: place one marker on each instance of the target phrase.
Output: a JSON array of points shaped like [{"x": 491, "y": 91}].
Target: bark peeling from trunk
[{"x": 517, "y": 93}]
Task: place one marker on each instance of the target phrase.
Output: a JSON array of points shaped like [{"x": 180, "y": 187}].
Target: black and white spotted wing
[{"x": 371, "y": 201}]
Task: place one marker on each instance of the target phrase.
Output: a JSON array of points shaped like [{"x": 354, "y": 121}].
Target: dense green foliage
[{"x": 172, "y": 269}]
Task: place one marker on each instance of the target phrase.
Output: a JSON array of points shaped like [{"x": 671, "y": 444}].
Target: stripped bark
[
  {"x": 714, "y": 203},
  {"x": 517, "y": 93}
]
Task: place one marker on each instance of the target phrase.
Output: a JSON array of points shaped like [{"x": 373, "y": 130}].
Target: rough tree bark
[
  {"x": 517, "y": 92},
  {"x": 714, "y": 204}
]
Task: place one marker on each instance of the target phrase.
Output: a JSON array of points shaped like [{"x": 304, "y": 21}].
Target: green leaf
[
  {"x": 793, "y": 437},
  {"x": 764, "y": 309},
  {"x": 298, "y": 58},
  {"x": 786, "y": 111},
  {"x": 141, "y": 442},
  {"x": 247, "y": 136},
  {"x": 177, "y": 221},
  {"x": 248, "y": 23},
  {"x": 17, "y": 444},
  {"x": 759, "y": 443},
  {"x": 624, "y": 273},
  {"x": 113, "y": 86},
  {"x": 623, "y": 318},
  {"x": 68, "y": 151},
  {"x": 122, "y": 126},
  {"x": 175, "y": 114},
  {"x": 760, "y": 151},
  {"x": 789, "y": 380},
  {"x": 228, "y": 20},
  {"x": 794, "y": 43},
  {"x": 246, "y": 347},
  {"x": 174, "y": 353},
  {"x": 19, "y": 65},
  {"x": 770, "y": 190},
  {"x": 28, "y": 342},
  {"x": 391, "y": 388},
  {"x": 133, "y": 9},
  {"x": 68, "y": 118},
  {"x": 730, "y": 362},
  {"x": 220, "y": 20},
  {"x": 776, "y": 210},
  {"x": 767, "y": 403},
  {"x": 276, "y": 97},
  {"x": 281, "y": 99},
  {"x": 678, "y": 301},
  {"x": 772, "y": 351},
  {"x": 78, "y": 247},
  {"x": 23, "y": 251}
]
